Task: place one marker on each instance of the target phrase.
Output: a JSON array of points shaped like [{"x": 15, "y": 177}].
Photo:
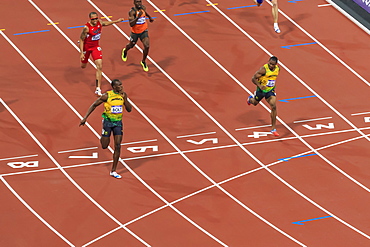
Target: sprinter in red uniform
[{"x": 89, "y": 44}]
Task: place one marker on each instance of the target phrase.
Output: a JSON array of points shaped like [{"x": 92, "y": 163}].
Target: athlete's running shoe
[
  {"x": 276, "y": 28},
  {"x": 274, "y": 132},
  {"x": 98, "y": 92},
  {"x": 249, "y": 100},
  {"x": 115, "y": 174},
  {"x": 123, "y": 55},
  {"x": 145, "y": 67}
]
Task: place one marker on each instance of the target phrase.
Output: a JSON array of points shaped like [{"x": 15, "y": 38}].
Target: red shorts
[{"x": 95, "y": 53}]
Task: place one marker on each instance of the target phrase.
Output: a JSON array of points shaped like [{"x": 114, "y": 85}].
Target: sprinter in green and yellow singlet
[
  {"x": 115, "y": 101},
  {"x": 265, "y": 80}
]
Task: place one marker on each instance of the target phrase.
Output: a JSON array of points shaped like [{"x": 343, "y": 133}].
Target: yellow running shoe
[
  {"x": 122, "y": 56},
  {"x": 145, "y": 67}
]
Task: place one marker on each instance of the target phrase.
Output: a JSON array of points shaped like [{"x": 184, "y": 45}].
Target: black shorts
[
  {"x": 259, "y": 94},
  {"x": 109, "y": 127},
  {"x": 135, "y": 36}
]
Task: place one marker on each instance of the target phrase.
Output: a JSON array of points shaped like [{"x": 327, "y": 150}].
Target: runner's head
[
  {"x": 138, "y": 4},
  {"x": 117, "y": 85},
  {"x": 93, "y": 18},
  {"x": 272, "y": 62}
]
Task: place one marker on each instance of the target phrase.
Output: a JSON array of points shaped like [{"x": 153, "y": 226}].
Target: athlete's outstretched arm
[
  {"x": 108, "y": 23},
  {"x": 97, "y": 102}
]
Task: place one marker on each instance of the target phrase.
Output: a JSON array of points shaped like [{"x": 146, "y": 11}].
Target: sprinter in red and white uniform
[{"x": 89, "y": 45}]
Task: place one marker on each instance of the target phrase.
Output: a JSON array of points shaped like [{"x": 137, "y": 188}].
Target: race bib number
[
  {"x": 140, "y": 21},
  {"x": 270, "y": 83},
  {"x": 116, "y": 109},
  {"x": 96, "y": 37}
]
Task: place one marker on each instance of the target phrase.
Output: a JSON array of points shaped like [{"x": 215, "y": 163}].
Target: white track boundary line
[
  {"x": 226, "y": 132},
  {"x": 97, "y": 135},
  {"x": 323, "y": 46},
  {"x": 181, "y": 152},
  {"x": 47, "y": 152},
  {"x": 34, "y": 212},
  {"x": 225, "y": 181},
  {"x": 349, "y": 16},
  {"x": 63, "y": 171}
]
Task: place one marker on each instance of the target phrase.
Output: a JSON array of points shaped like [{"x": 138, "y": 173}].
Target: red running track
[{"x": 195, "y": 170}]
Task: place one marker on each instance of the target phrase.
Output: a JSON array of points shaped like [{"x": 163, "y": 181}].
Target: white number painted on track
[
  {"x": 93, "y": 156},
  {"x": 213, "y": 140},
  {"x": 367, "y": 119},
  {"x": 142, "y": 149},
  {"x": 257, "y": 134},
  {"x": 23, "y": 164},
  {"x": 319, "y": 126}
]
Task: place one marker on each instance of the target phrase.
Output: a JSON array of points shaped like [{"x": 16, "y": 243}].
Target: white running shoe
[
  {"x": 276, "y": 28},
  {"x": 115, "y": 174},
  {"x": 98, "y": 91}
]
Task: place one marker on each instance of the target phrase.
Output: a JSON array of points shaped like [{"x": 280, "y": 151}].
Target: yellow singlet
[
  {"x": 113, "y": 108},
  {"x": 269, "y": 79}
]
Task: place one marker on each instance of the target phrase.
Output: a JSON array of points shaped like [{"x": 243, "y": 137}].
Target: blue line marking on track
[
  {"x": 293, "y": 157},
  {"x": 74, "y": 27},
  {"x": 249, "y": 6},
  {"x": 301, "y": 221},
  {"x": 288, "y": 46},
  {"x": 42, "y": 31},
  {"x": 190, "y": 13},
  {"x": 305, "y": 97}
]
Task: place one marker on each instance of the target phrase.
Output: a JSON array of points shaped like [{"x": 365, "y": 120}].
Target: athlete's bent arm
[
  {"x": 81, "y": 41},
  {"x": 146, "y": 13},
  {"x": 127, "y": 104},
  {"x": 258, "y": 74},
  {"x": 132, "y": 19},
  {"x": 97, "y": 102}
]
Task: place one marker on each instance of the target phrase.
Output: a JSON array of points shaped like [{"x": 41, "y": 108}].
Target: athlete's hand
[
  {"x": 262, "y": 87},
  {"x": 82, "y": 56},
  {"x": 82, "y": 122},
  {"x": 151, "y": 20},
  {"x": 140, "y": 13},
  {"x": 120, "y": 19}
]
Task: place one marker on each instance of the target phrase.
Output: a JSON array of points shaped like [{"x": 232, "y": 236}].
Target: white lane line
[
  {"x": 56, "y": 163},
  {"x": 324, "y": 5},
  {"x": 294, "y": 75},
  {"x": 129, "y": 143},
  {"x": 322, "y": 46},
  {"x": 75, "y": 150},
  {"x": 361, "y": 113},
  {"x": 46, "y": 151},
  {"x": 97, "y": 135},
  {"x": 34, "y": 212},
  {"x": 281, "y": 64},
  {"x": 221, "y": 127},
  {"x": 225, "y": 181},
  {"x": 20, "y": 157},
  {"x": 254, "y": 127},
  {"x": 314, "y": 119},
  {"x": 249, "y": 153},
  {"x": 200, "y": 134}
]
